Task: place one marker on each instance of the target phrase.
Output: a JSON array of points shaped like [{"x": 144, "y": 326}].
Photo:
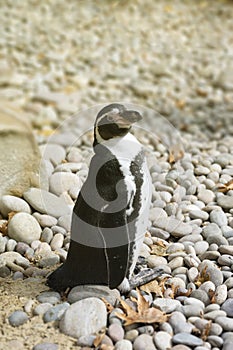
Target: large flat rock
[{"x": 20, "y": 159}]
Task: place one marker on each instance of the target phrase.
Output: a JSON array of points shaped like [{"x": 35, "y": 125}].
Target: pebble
[
  {"x": 225, "y": 322},
  {"x": 86, "y": 340},
  {"x": 46, "y": 202},
  {"x": 218, "y": 217},
  {"x": 82, "y": 292},
  {"x": 173, "y": 226},
  {"x": 115, "y": 332},
  {"x": 57, "y": 241},
  {"x": 220, "y": 294},
  {"x": 166, "y": 305},
  {"x": 84, "y": 317},
  {"x": 63, "y": 182},
  {"x": 226, "y": 202},
  {"x": 131, "y": 335},
  {"x": 45, "y": 346},
  {"x": 187, "y": 339},
  {"x": 214, "y": 340},
  {"x": 227, "y": 306},
  {"x": 53, "y": 152},
  {"x": 65, "y": 222},
  {"x": 17, "y": 318},
  {"x": 55, "y": 313},
  {"x": 24, "y": 227},
  {"x": 49, "y": 297},
  {"x": 42, "y": 308},
  {"x": 123, "y": 344},
  {"x": 46, "y": 220},
  {"x": 163, "y": 340},
  {"x": 144, "y": 341},
  {"x": 11, "y": 203}
]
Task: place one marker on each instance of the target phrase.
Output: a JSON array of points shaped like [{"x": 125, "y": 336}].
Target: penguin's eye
[{"x": 111, "y": 118}]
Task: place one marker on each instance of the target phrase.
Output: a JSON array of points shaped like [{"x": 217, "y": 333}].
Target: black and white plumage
[{"x": 110, "y": 216}]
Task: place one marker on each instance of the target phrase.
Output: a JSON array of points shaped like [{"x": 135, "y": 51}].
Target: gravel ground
[{"x": 58, "y": 58}]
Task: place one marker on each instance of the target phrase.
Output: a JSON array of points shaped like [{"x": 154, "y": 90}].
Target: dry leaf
[
  {"x": 176, "y": 152},
  {"x": 109, "y": 307},
  {"x": 203, "y": 277},
  {"x": 159, "y": 248},
  {"x": 144, "y": 313},
  {"x": 206, "y": 331},
  {"x": 212, "y": 296},
  {"x": 106, "y": 347},
  {"x": 153, "y": 287},
  {"x": 226, "y": 187},
  {"x": 98, "y": 339},
  {"x": 3, "y": 228}
]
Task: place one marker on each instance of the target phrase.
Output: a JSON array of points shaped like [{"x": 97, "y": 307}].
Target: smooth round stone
[
  {"x": 176, "y": 262},
  {"x": 65, "y": 222},
  {"x": 220, "y": 294},
  {"x": 214, "y": 340},
  {"x": 53, "y": 152},
  {"x": 17, "y": 318},
  {"x": 62, "y": 182},
  {"x": 46, "y": 220},
  {"x": 57, "y": 241},
  {"x": 115, "y": 332},
  {"x": 84, "y": 317},
  {"x": 49, "y": 297},
  {"x": 218, "y": 217},
  {"x": 166, "y": 305},
  {"x": 42, "y": 308},
  {"x": 146, "y": 330},
  {"x": 225, "y": 322},
  {"x": 131, "y": 335},
  {"x": 219, "y": 240},
  {"x": 206, "y": 196},
  {"x": 174, "y": 226},
  {"x": 166, "y": 327},
  {"x": 177, "y": 320},
  {"x": 24, "y": 227},
  {"x": 18, "y": 275},
  {"x": 48, "y": 259},
  {"x": 156, "y": 213},
  {"x": 4, "y": 271},
  {"x": 144, "y": 341},
  {"x": 55, "y": 313},
  {"x": 192, "y": 310},
  {"x": 192, "y": 274},
  {"x": 207, "y": 286},
  {"x": 123, "y": 344},
  {"x": 46, "y": 202},
  {"x": 199, "y": 214},
  {"x": 86, "y": 291},
  {"x": 174, "y": 248},
  {"x": 201, "y": 247},
  {"x": 11, "y": 244},
  {"x": 227, "y": 306},
  {"x": 213, "y": 315},
  {"x": 210, "y": 255},
  {"x": 11, "y": 203},
  {"x": 187, "y": 339},
  {"x": 201, "y": 295},
  {"x": 216, "y": 329},
  {"x": 47, "y": 235},
  {"x": 215, "y": 275},
  {"x": 225, "y": 201},
  {"x": 225, "y": 260},
  {"x": 212, "y": 307},
  {"x": 226, "y": 249},
  {"x": 45, "y": 346},
  {"x": 162, "y": 340},
  {"x": 210, "y": 230},
  {"x": 156, "y": 261}
]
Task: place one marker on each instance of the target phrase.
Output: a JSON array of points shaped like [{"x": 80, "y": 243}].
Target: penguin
[{"x": 110, "y": 216}]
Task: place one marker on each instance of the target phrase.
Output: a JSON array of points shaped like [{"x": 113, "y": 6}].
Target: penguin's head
[{"x": 113, "y": 121}]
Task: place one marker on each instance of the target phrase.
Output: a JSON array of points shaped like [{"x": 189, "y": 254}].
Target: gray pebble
[
  {"x": 199, "y": 214},
  {"x": 221, "y": 294},
  {"x": 213, "y": 315},
  {"x": 76, "y": 320},
  {"x": 226, "y": 260},
  {"x": 115, "y": 332},
  {"x": 24, "y": 227},
  {"x": 17, "y": 318},
  {"x": 192, "y": 310},
  {"x": 131, "y": 335},
  {"x": 11, "y": 245},
  {"x": 86, "y": 291},
  {"x": 226, "y": 249},
  {"x": 225, "y": 322},
  {"x": 162, "y": 340},
  {"x": 166, "y": 305},
  {"x": 49, "y": 259},
  {"x": 123, "y": 344},
  {"x": 218, "y": 217},
  {"x": 46, "y": 202},
  {"x": 65, "y": 222},
  {"x": 187, "y": 339},
  {"x": 225, "y": 201},
  {"x": 47, "y": 235},
  {"x": 201, "y": 295},
  {"x": 4, "y": 271},
  {"x": 46, "y": 220},
  {"x": 173, "y": 226},
  {"x": 214, "y": 340},
  {"x": 201, "y": 247},
  {"x": 42, "y": 308},
  {"x": 55, "y": 313},
  {"x": 49, "y": 297},
  {"x": 86, "y": 340},
  {"x": 11, "y": 203},
  {"x": 146, "y": 330},
  {"x": 227, "y": 306},
  {"x": 216, "y": 329},
  {"x": 45, "y": 346},
  {"x": 144, "y": 341},
  {"x": 18, "y": 275}
]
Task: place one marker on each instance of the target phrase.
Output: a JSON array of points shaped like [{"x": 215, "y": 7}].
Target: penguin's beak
[{"x": 128, "y": 117}]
